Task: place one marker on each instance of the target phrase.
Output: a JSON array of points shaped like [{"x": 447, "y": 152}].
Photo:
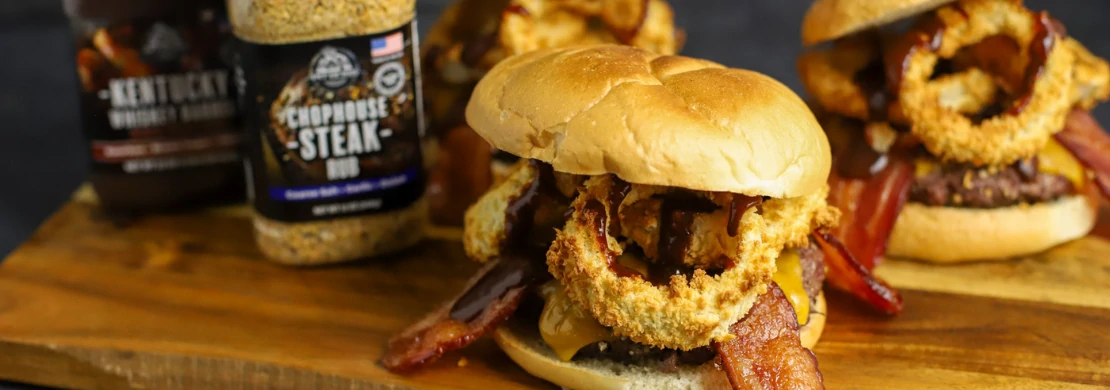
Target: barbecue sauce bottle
[{"x": 157, "y": 103}]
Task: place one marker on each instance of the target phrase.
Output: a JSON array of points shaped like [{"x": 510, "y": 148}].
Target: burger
[
  {"x": 665, "y": 227},
  {"x": 959, "y": 129},
  {"x": 471, "y": 36}
]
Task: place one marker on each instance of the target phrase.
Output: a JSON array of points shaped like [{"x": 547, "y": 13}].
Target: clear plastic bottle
[{"x": 331, "y": 95}]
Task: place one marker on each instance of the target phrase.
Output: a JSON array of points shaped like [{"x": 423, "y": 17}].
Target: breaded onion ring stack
[
  {"x": 665, "y": 215},
  {"x": 959, "y": 129}
]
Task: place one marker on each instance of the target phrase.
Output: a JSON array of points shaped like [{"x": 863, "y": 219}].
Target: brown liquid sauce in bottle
[{"x": 157, "y": 103}]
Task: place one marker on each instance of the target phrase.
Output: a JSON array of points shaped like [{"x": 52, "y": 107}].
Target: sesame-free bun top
[
  {"x": 831, "y": 19},
  {"x": 652, "y": 119}
]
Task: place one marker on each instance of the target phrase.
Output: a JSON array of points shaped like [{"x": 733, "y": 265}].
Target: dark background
[{"x": 40, "y": 139}]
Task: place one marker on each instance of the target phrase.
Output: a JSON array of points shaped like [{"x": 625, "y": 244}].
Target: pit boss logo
[
  {"x": 334, "y": 68},
  {"x": 389, "y": 79}
]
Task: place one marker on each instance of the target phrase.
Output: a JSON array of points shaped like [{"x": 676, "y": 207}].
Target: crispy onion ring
[
  {"x": 683, "y": 314},
  {"x": 938, "y": 121},
  {"x": 1091, "y": 73},
  {"x": 528, "y": 25},
  {"x": 830, "y": 75},
  {"x": 485, "y": 220},
  {"x": 837, "y": 79}
]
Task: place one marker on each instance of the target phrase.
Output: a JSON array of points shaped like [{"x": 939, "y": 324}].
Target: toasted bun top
[
  {"x": 652, "y": 119},
  {"x": 831, "y": 19}
]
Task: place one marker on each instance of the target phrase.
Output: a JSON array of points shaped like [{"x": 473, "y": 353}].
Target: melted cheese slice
[
  {"x": 564, "y": 327},
  {"x": 1054, "y": 159},
  {"x": 788, "y": 275}
]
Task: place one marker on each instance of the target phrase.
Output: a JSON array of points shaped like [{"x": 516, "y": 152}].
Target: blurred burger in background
[
  {"x": 960, "y": 129},
  {"x": 474, "y": 35}
]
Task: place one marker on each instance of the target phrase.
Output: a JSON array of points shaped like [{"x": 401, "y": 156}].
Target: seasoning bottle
[
  {"x": 331, "y": 95},
  {"x": 157, "y": 103}
]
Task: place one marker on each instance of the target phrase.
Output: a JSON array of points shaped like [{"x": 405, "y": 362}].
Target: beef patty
[
  {"x": 630, "y": 352},
  {"x": 963, "y": 186}
]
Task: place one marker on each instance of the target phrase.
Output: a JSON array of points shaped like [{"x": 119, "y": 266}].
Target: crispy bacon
[
  {"x": 767, "y": 352},
  {"x": 870, "y": 207},
  {"x": 437, "y": 333},
  {"x": 1089, "y": 143},
  {"x": 848, "y": 274}
]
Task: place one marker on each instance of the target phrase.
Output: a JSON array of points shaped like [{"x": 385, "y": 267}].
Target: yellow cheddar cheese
[
  {"x": 564, "y": 327},
  {"x": 1055, "y": 159},
  {"x": 788, "y": 275}
]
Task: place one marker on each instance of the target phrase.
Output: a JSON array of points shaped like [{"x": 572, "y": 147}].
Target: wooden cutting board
[{"x": 186, "y": 301}]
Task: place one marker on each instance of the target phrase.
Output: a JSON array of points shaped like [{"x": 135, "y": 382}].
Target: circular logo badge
[
  {"x": 334, "y": 68},
  {"x": 389, "y": 79}
]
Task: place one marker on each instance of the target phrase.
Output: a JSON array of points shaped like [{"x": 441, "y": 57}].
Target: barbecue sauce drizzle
[
  {"x": 522, "y": 261},
  {"x": 676, "y": 222},
  {"x": 618, "y": 190},
  {"x": 737, "y": 207},
  {"x": 1044, "y": 40},
  {"x": 596, "y": 211}
]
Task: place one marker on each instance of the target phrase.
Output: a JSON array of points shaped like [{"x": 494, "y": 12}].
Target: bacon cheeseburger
[
  {"x": 972, "y": 114},
  {"x": 663, "y": 220}
]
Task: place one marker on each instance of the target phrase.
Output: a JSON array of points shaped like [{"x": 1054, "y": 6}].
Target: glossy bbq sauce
[
  {"x": 522, "y": 261},
  {"x": 617, "y": 192},
  {"x": 676, "y": 222},
  {"x": 596, "y": 212},
  {"x": 1044, "y": 39},
  {"x": 736, "y": 209}
]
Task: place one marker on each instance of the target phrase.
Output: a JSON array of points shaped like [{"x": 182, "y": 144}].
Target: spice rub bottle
[
  {"x": 157, "y": 103},
  {"x": 331, "y": 96}
]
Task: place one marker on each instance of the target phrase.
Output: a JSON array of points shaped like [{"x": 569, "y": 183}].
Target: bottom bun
[
  {"x": 522, "y": 342},
  {"x": 952, "y": 234}
]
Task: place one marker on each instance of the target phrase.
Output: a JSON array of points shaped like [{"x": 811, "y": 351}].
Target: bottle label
[
  {"x": 156, "y": 94},
  {"x": 333, "y": 127}
]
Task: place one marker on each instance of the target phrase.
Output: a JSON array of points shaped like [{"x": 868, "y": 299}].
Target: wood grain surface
[{"x": 186, "y": 301}]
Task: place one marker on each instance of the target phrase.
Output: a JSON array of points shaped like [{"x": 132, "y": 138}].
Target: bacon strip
[
  {"x": 870, "y": 208},
  {"x": 848, "y": 274},
  {"x": 767, "y": 352},
  {"x": 437, "y": 333},
  {"x": 1089, "y": 143}
]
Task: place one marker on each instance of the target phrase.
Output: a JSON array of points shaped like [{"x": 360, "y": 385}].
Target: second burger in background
[
  {"x": 972, "y": 114},
  {"x": 472, "y": 36},
  {"x": 666, "y": 229}
]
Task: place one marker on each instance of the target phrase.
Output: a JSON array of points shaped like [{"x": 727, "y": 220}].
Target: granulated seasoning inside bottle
[
  {"x": 331, "y": 96},
  {"x": 157, "y": 103}
]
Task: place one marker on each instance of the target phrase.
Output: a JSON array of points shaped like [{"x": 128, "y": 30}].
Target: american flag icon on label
[{"x": 387, "y": 45}]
